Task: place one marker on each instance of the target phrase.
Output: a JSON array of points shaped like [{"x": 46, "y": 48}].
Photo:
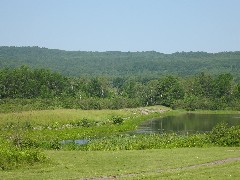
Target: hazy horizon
[
  {"x": 122, "y": 51},
  {"x": 138, "y": 25}
]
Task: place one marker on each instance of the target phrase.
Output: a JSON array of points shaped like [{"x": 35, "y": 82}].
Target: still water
[
  {"x": 77, "y": 141},
  {"x": 188, "y": 123}
]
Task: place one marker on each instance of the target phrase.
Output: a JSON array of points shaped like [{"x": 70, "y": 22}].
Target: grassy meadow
[
  {"x": 64, "y": 116},
  {"x": 146, "y": 164},
  {"x": 55, "y": 125},
  {"x": 106, "y": 157}
]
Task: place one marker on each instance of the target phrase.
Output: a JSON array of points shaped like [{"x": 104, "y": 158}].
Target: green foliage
[
  {"x": 97, "y": 88},
  {"x": 117, "y": 120},
  {"x": 24, "y": 82},
  {"x": 209, "y": 92},
  {"x": 149, "y": 64},
  {"x": 221, "y": 135},
  {"x": 202, "y": 85},
  {"x": 84, "y": 123},
  {"x": 169, "y": 90},
  {"x": 24, "y": 89},
  {"x": 223, "y": 86},
  {"x": 49, "y": 128},
  {"x": 141, "y": 142},
  {"x": 237, "y": 91},
  {"x": 12, "y": 157},
  {"x": 225, "y": 136},
  {"x": 192, "y": 103}
]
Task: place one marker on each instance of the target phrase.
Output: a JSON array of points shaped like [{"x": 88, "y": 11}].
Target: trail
[{"x": 217, "y": 162}]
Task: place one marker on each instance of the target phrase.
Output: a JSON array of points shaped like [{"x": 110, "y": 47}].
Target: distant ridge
[{"x": 121, "y": 64}]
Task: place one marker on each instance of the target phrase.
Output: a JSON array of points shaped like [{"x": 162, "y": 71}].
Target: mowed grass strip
[
  {"x": 229, "y": 170},
  {"x": 149, "y": 164}
]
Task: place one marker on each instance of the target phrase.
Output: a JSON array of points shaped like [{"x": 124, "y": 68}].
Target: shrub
[
  {"x": 12, "y": 157},
  {"x": 117, "y": 120},
  {"x": 225, "y": 136}
]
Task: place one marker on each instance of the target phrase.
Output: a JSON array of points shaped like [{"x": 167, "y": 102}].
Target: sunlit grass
[
  {"x": 142, "y": 164},
  {"x": 222, "y": 171},
  {"x": 68, "y": 115},
  {"x": 61, "y": 115},
  {"x": 47, "y": 128}
]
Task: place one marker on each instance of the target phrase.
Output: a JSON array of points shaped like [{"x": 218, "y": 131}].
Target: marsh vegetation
[
  {"x": 45, "y": 114},
  {"x": 25, "y": 136}
]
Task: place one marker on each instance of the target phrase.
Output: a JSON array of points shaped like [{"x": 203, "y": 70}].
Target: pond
[
  {"x": 188, "y": 123},
  {"x": 77, "y": 141}
]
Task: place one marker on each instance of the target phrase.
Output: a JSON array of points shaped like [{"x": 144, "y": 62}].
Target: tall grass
[
  {"x": 61, "y": 116},
  {"x": 12, "y": 157},
  {"x": 46, "y": 129},
  {"x": 221, "y": 135}
]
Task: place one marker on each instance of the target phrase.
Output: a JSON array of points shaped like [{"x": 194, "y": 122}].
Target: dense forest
[
  {"x": 26, "y": 88},
  {"x": 41, "y": 78},
  {"x": 145, "y": 65}
]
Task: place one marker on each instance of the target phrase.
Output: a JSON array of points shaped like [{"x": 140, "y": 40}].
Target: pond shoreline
[{"x": 188, "y": 122}]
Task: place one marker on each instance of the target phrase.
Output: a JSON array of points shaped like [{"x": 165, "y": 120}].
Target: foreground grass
[
  {"x": 224, "y": 171},
  {"x": 146, "y": 164},
  {"x": 132, "y": 164}
]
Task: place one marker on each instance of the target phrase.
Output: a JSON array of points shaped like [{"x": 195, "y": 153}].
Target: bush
[
  {"x": 117, "y": 120},
  {"x": 12, "y": 157},
  {"x": 191, "y": 103},
  {"x": 225, "y": 136}
]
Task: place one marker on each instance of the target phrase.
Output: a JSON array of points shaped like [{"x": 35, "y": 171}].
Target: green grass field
[
  {"x": 147, "y": 164},
  {"x": 175, "y": 163}
]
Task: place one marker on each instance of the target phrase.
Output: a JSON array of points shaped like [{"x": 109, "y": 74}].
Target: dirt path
[{"x": 217, "y": 162}]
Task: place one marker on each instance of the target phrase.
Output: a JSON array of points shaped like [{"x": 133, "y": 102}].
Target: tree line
[{"x": 43, "y": 89}]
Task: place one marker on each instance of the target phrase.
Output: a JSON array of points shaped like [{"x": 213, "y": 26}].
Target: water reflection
[
  {"x": 188, "y": 123},
  {"x": 77, "y": 141}
]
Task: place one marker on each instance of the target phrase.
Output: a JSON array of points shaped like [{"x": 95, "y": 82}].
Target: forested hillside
[{"x": 149, "y": 64}]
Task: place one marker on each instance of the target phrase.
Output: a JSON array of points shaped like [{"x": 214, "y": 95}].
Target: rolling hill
[{"x": 120, "y": 64}]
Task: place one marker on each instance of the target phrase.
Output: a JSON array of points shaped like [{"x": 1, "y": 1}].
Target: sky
[{"x": 166, "y": 26}]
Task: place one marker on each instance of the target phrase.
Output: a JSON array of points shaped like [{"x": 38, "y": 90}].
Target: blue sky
[{"x": 125, "y": 25}]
